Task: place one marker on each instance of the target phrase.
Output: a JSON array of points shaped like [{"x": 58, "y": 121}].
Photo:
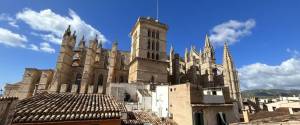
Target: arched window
[
  {"x": 149, "y": 33},
  {"x": 153, "y": 45},
  {"x": 157, "y": 35},
  {"x": 157, "y": 46},
  {"x": 148, "y": 55},
  {"x": 153, "y": 56},
  {"x": 198, "y": 118},
  {"x": 153, "y": 34},
  {"x": 157, "y": 56},
  {"x": 121, "y": 79},
  {"x": 149, "y": 44},
  {"x": 152, "y": 79}
]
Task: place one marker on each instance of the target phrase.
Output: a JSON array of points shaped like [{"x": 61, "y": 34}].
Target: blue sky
[{"x": 263, "y": 35}]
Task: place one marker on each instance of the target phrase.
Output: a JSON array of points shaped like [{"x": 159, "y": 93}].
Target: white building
[
  {"x": 144, "y": 99},
  {"x": 160, "y": 101},
  {"x": 293, "y": 106}
]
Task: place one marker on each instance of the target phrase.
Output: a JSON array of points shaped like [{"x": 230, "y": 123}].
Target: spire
[
  {"x": 115, "y": 46},
  {"x": 96, "y": 37},
  {"x": 100, "y": 44},
  {"x": 171, "y": 60},
  {"x": 209, "y": 53},
  {"x": 171, "y": 53},
  {"x": 68, "y": 31},
  {"x": 82, "y": 43},
  {"x": 186, "y": 55},
  {"x": 74, "y": 34},
  {"x": 230, "y": 75},
  {"x": 207, "y": 42},
  {"x": 172, "y": 49},
  {"x": 227, "y": 56}
]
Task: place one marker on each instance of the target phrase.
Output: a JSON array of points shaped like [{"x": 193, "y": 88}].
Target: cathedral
[{"x": 84, "y": 67}]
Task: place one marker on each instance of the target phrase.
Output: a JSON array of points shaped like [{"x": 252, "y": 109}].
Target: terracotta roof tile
[
  {"x": 141, "y": 117},
  {"x": 6, "y": 98},
  {"x": 67, "y": 107}
]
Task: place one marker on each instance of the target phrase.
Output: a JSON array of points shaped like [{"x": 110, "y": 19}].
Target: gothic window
[
  {"x": 157, "y": 46},
  {"x": 149, "y": 44},
  {"x": 157, "y": 56},
  {"x": 153, "y": 45},
  {"x": 100, "y": 80},
  {"x": 92, "y": 79},
  {"x": 78, "y": 81},
  {"x": 149, "y": 33},
  {"x": 122, "y": 62},
  {"x": 148, "y": 55},
  {"x": 106, "y": 63},
  {"x": 153, "y": 56},
  {"x": 157, "y": 35}
]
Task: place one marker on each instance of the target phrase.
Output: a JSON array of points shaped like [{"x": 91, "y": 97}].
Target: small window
[
  {"x": 157, "y": 46},
  {"x": 214, "y": 92},
  {"x": 208, "y": 93},
  {"x": 171, "y": 89},
  {"x": 153, "y": 45},
  {"x": 157, "y": 57},
  {"x": 148, "y": 55},
  {"x": 153, "y": 56},
  {"x": 157, "y": 35}
]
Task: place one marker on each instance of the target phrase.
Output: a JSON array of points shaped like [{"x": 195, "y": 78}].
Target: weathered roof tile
[{"x": 67, "y": 107}]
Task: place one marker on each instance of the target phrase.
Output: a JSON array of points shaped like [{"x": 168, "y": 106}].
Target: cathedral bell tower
[{"x": 148, "y": 52}]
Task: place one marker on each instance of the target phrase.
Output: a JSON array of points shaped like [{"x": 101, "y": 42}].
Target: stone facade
[{"x": 90, "y": 68}]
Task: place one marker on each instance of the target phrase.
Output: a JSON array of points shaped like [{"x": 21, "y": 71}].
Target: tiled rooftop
[
  {"x": 141, "y": 117},
  {"x": 144, "y": 92},
  {"x": 67, "y": 107}
]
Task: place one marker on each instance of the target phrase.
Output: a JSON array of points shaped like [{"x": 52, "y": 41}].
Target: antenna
[{"x": 156, "y": 10}]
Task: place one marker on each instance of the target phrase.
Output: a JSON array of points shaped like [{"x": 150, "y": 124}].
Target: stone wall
[{"x": 180, "y": 104}]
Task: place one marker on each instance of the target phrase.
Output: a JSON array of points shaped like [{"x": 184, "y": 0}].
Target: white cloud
[
  {"x": 12, "y": 39},
  {"x": 54, "y": 24},
  {"x": 45, "y": 47},
  {"x": 231, "y": 31},
  {"x": 294, "y": 53},
  {"x": 11, "y": 21},
  {"x": 48, "y": 37},
  {"x": 33, "y": 47},
  {"x": 258, "y": 75}
]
